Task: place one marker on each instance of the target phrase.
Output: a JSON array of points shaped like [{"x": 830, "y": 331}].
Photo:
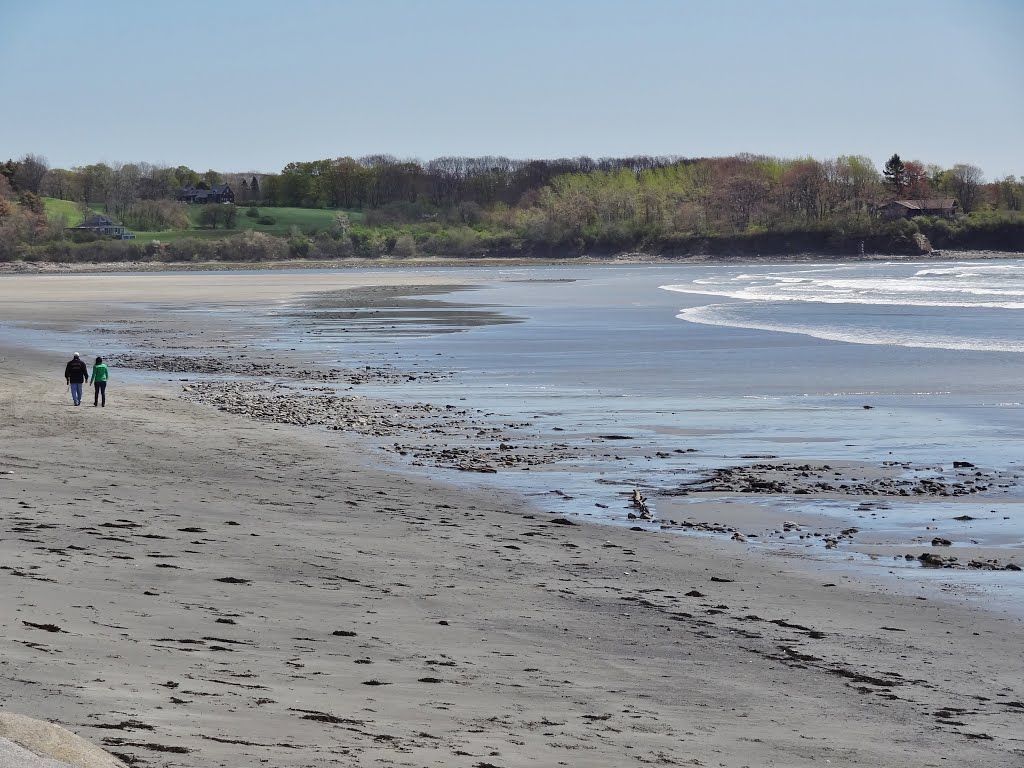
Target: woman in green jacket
[{"x": 100, "y": 374}]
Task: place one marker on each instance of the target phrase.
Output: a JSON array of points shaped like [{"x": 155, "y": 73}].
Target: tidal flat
[{"x": 297, "y": 534}]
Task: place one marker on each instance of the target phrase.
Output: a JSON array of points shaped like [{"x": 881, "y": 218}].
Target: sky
[{"x": 252, "y": 85}]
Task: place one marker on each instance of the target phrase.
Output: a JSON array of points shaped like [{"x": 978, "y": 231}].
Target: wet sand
[{"x": 190, "y": 587}]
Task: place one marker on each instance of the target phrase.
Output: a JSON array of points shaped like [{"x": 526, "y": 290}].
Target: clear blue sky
[{"x": 250, "y": 85}]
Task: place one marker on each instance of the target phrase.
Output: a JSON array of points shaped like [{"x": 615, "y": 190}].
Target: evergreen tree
[
  {"x": 896, "y": 176},
  {"x": 8, "y": 170}
]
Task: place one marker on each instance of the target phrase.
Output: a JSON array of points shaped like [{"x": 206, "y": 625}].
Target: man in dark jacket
[{"x": 76, "y": 372}]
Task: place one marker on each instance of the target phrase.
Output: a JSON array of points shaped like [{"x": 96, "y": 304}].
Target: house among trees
[
  {"x": 219, "y": 193},
  {"x": 908, "y": 209},
  {"x": 103, "y": 227}
]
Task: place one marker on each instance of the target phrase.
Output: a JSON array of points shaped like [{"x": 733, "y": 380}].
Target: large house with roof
[
  {"x": 103, "y": 227},
  {"x": 908, "y": 209},
  {"x": 219, "y": 193}
]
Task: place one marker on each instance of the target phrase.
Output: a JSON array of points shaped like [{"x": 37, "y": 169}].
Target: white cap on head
[{"x": 76, "y": 354}]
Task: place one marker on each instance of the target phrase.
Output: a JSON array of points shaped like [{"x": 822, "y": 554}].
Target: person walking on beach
[
  {"x": 100, "y": 374},
  {"x": 75, "y": 373}
]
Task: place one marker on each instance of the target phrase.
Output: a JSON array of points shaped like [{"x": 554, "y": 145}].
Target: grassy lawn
[
  {"x": 67, "y": 209},
  {"x": 305, "y": 219},
  {"x": 284, "y": 219}
]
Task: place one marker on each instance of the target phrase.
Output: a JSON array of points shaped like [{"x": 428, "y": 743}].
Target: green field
[
  {"x": 284, "y": 219},
  {"x": 66, "y": 209},
  {"x": 305, "y": 219}
]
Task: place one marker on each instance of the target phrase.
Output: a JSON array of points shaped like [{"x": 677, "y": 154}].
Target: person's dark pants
[{"x": 101, "y": 390}]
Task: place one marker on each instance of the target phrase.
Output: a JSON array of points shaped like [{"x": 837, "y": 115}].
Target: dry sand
[{"x": 190, "y": 588}]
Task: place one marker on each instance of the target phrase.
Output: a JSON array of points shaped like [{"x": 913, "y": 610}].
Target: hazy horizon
[{"x": 242, "y": 87}]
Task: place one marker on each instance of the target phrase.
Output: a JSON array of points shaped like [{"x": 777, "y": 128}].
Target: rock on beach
[{"x": 29, "y": 743}]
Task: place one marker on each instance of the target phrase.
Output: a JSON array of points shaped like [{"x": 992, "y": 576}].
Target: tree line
[
  {"x": 462, "y": 205},
  {"x": 744, "y": 182},
  {"x": 726, "y": 193}
]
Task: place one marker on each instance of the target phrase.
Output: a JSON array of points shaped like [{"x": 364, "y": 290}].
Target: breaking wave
[{"x": 967, "y": 306}]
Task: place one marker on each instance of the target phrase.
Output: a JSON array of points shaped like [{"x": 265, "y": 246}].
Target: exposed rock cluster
[
  {"x": 802, "y": 479},
  {"x": 932, "y": 560},
  {"x": 434, "y": 435},
  {"x": 209, "y": 364}
]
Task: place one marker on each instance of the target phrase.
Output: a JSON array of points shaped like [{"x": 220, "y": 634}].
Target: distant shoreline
[{"x": 47, "y": 267}]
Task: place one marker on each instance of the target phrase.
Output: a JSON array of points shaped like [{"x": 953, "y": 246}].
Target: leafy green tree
[
  {"x": 62, "y": 184},
  {"x": 295, "y": 184},
  {"x": 965, "y": 183},
  {"x": 1009, "y": 193},
  {"x": 185, "y": 176},
  {"x": 96, "y": 182},
  {"x": 7, "y": 170},
  {"x": 210, "y": 216},
  {"x": 859, "y": 182}
]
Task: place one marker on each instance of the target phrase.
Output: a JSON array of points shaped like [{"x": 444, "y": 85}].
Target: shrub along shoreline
[{"x": 998, "y": 231}]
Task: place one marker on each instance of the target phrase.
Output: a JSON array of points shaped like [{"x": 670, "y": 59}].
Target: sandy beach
[{"x": 186, "y": 586}]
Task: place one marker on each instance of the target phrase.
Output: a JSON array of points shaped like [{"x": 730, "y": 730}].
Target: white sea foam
[
  {"x": 998, "y": 286},
  {"x": 733, "y": 317}
]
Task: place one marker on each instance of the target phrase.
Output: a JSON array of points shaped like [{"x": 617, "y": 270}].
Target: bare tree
[
  {"x": 30, "y": 173},
  {"x": 124, "y": 188}
]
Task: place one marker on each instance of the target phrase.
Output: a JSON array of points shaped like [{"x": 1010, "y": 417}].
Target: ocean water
[
  {"x": 732, "y": 359},
  {"x": 726, "y": 363},
  {"x": 713, "y": 365}
]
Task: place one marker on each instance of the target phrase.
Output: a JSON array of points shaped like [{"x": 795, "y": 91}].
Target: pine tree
[{"x": 896, "y": 176}]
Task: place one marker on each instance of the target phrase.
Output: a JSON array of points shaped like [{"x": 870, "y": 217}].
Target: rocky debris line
[
  {"x": 434, "y": 435},
  {"x": 830, "y": 540},
  {"x": 932, "y": 560},
  {"x": 898, "y": 480},
  {"x": 209, "y": 364},
  {"x": 127, "y": 331},
  {"x": 833, "y": 540}
]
